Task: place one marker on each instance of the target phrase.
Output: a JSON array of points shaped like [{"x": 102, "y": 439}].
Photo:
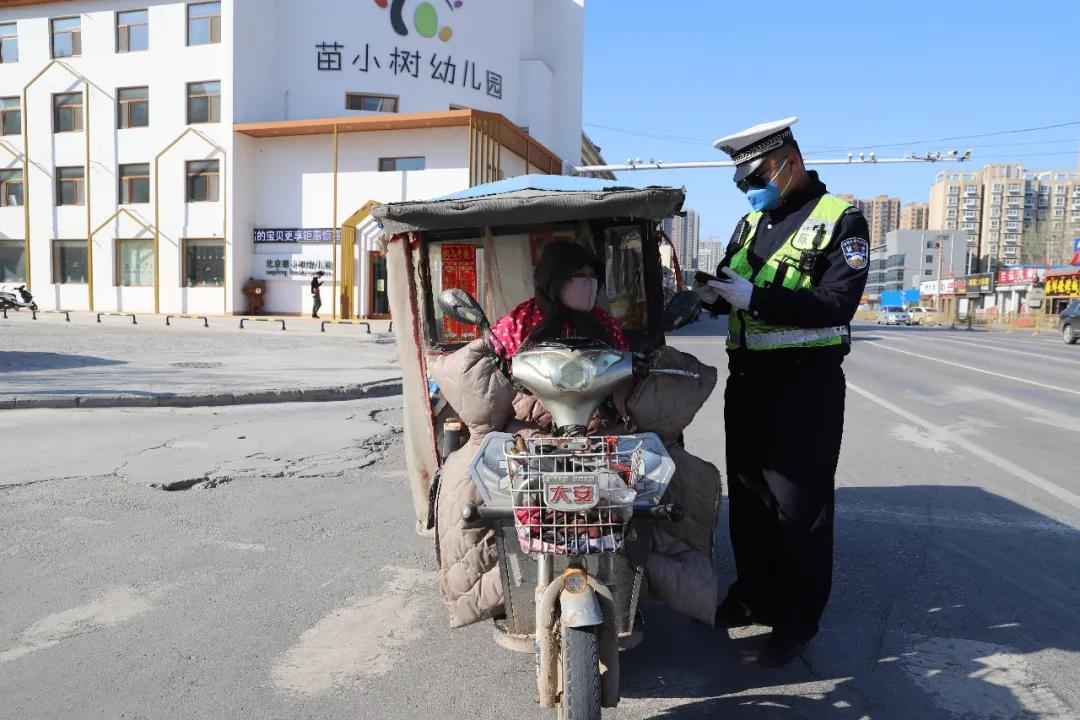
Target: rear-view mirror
[{"x": 459, "y": 305}]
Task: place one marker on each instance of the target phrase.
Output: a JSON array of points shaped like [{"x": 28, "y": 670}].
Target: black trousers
[
  {"x": 784, "y": 423},
  {"x": 316, "y": 304}
]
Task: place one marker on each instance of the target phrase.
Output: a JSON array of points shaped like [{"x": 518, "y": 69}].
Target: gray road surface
[{"x": 290, "y": 584}]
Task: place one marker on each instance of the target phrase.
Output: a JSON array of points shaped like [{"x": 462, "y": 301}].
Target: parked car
[
  {"x": 1069, "y": 324},
  {"x": 924, "y": 316},
  {"x": 890, "y": 315}
]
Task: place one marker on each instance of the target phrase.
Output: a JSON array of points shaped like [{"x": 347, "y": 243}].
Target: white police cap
[{"x": 749, "y": 147}]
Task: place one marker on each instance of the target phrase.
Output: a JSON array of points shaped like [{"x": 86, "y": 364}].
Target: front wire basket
[{"x": 572, "y": 496}]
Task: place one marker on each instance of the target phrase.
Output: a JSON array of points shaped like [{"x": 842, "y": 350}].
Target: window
[
  {"x": 1014, "y": 187},
  {"x": 9, "y": 43},
  {"x": 371, "y": 103},
  {"x": 66, "y": 37},
  {"x": 69, "y": 262},
  {"x": 204, "y": 263},
  {"x": 1059, "y": 212},
  {"x": 133, "y": 107},
  {"x": 11, "y": 188},
  {"x": 204, "y": 23},
  {"x": 399, "y": 164},
  {"x": 952, "y": 212},
  {"x": 202, "y": 181},
  {"x": 11, "y": 116},
  {"x": 928, "y": 272},
  {"x": 135, "y": 263},
  {"x": 67, "y": 112},
  {"x": 12, "y": 261},
  {"x": 132, "y": 31},
  {"x": 953, "y": 201},
  {"x": 204, "y": 102},
  {"x": 997, "y": 187},
  {"x": 1059, "y": 201},
  {"x": 929, "y": 258},
  {"x": 69, "y": 186},
  {"x": 135, "y": 183}
]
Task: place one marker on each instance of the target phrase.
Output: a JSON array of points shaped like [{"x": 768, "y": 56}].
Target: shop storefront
[
  {"x": 1013, "y": 288},
  {"x": 974, "y": 294}
]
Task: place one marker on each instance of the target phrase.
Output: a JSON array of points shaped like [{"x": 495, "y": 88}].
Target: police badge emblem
[{"x": 856, "y": 252}]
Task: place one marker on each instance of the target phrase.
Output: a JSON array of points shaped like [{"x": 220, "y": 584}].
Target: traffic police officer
[{"x": 790, "y": 282}]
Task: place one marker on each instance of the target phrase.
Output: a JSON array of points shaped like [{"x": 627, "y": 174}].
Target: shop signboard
[
  {"x": 1018, "y": 276},
  {"x": 975, "y": 285},
  {"x": 1064, "y": 285}
]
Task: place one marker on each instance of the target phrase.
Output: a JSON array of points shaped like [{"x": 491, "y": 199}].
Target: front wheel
[
  {"x": 580, "y": 674},
  {"x": 1069, "y": 335}
]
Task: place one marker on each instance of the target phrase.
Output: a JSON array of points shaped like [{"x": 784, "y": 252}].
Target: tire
[
  {"x": 1069, "y": 335},
  {"x": 580, "y": 674}
]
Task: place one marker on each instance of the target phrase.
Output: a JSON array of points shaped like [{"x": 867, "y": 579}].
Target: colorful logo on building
[{"x": 425, "y": 18}]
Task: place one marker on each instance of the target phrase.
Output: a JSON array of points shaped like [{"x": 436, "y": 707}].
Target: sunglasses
[{"x": 756, "y": 181}]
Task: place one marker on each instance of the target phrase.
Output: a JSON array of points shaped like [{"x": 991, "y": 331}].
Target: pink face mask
[{"x": 579, "y": 293}]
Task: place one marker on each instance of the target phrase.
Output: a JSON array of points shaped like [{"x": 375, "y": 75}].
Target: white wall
[
  {"x": 278, "y": 77},
  {"x": 166, "y": 68},
  {"x": 536, "y": 45},
  {"x": 290, "y": 184}
]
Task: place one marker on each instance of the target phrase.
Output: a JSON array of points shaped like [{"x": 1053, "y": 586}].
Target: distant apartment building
[
  {"x": 915, "y": 216},
  {"x": 685, "y": 233},
  {"x": 1011, "y": 215},
  {"x": 908, "y": 258},
  {"x": 882, "y": 214},
  {"x": 710, "y": 253}
]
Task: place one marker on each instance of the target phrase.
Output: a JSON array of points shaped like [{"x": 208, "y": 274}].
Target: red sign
[
  {"x": 459, "y": 271},
  {"x": 1018, "y": 276},
  {"x": 571, "y": 494}
]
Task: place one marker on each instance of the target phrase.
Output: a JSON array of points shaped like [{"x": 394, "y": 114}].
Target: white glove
[{"x": 736, "y": 289}]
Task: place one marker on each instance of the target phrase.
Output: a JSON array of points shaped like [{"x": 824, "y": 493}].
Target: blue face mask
[{"x": 768, "y": 197}]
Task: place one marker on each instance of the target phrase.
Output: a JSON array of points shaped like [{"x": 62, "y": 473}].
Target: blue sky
[{"x": 856, "y": 74}]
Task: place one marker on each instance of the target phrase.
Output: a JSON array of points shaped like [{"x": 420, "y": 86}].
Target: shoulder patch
[{"x": 856, "y": 252}]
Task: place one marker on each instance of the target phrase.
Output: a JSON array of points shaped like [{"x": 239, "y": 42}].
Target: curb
[{"x": 377, "y": 389}]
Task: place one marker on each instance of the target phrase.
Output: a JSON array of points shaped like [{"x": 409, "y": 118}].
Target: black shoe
[
  {"x": 315, "y": 317},
  {"x": 781, "y": 649},
  {"x": 732, "y": 613}
]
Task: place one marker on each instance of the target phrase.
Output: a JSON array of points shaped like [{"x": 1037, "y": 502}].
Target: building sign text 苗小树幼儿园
[
  {"x": 294, "y": 235},
  {"x": 404, "y": 62}
]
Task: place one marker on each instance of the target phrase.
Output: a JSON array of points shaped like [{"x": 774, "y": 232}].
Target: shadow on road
[
  {"x": 24, "y": 361},
  {"x": 941, "y": 595}
]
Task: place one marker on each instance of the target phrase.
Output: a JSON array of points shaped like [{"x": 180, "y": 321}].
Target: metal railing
[
  {"x": 119, "y": 314},
  {"x": 206, "y": 321},
  {"x": 262, "y": 319},
  {"x": 346, "y": 322}
]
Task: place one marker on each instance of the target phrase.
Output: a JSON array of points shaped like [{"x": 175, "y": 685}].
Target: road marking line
[
  {"x": 975, "y": 369},
  {"x": 996, "y": 345},
  {"x": 999, "y": 348},
  {"x": 949, "y": 436}
]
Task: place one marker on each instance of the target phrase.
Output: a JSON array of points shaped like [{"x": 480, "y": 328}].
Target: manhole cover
[{"x": 197, "y": 365}]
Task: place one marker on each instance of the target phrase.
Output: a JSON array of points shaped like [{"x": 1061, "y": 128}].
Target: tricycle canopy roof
[{"x": 528, "y": 200}]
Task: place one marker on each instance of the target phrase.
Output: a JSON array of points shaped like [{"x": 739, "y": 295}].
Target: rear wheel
[
  {"x": 1069, "y": 335},
  {"x": 580, "y": 666}
]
